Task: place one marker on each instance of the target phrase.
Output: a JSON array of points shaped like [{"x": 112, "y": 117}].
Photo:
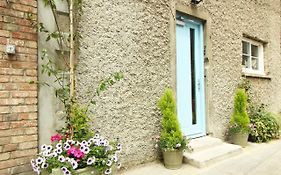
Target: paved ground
[{"x": 256, "y": 159}]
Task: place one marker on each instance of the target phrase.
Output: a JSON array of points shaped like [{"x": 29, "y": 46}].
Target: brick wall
[{"x": 18, "y": 98}]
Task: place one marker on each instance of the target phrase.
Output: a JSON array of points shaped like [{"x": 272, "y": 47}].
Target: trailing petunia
[{"x": 71, "y": 155}]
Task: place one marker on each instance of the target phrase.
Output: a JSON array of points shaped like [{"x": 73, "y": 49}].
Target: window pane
[
  {"x": 255, "y": 50},
  {"x": 245, "y": 47},
  {"x": 193, "y": 76},
  {"x": 245, "y": 61},
  {"x": 255, "y": 63}
]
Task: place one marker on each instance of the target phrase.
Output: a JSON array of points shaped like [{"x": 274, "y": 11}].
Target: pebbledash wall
[
  {"x": 18, "y": 98},
  {"x": 138, "y": 38}
]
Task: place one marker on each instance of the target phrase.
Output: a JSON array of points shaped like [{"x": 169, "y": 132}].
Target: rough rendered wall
[
  {"x": 134, "y": 36},
  {"x": 230, "y": 20},
  {"x": 18, "y": 98}
]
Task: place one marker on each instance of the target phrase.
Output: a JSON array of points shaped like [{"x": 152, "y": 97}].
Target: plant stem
[
  {"x": 60, "y": 39},
  {"x": 71, "y": 56}
]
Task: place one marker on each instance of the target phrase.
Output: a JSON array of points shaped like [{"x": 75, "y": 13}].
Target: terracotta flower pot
[
  {"x": 240, "y": 139},
  {"x": 173, "y": 159}
]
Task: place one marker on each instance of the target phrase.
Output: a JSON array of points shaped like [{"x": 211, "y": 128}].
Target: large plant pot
[
  {"x": 84, "y": 171},
  {"x": 173, "y": 159},
  {"x": 240, "y": 139}
]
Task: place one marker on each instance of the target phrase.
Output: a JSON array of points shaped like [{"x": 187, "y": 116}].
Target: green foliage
[
  {"x": 239, "y": 122},
  {"x": 50, "y": 3},
  {"x": 278, "y": 119},
  {"x": 171, "y": 137},
  {"x": 79, "y": 123},
  {"x": 264, "y": 125},
  {"x": 105, "y": 84}
]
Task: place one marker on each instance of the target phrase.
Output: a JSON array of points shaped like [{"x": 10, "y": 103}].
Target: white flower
[
  {"x": 119, "y": 147},
  {"x": 108, "y": 171},
  {"x": 39, "y": 160},
  {"x": 91, "y": 160},
  {"x": 46, "y": 153},
  {"x": 85, "y": 143},
  {"x": 109, "y": 163},
  {"x": 66, "y": 146},
  {"x": 54, "y": 154},
  {"x": 85, "y": 149},
  {"x": 32, "y": 162},
  {"x": 91, "y": 140},
  {"x": 59, "y": 146},
  {"x": 97, "y": 136},
  {"x": 74, "y": 164},
  {"x": 178, "y": 145},
  {"x": 49, "y": 148},
  {"x": 58, "y": 151},
  {"x": 69, "y": 142},
  {"x": 45, "y": 165},
  {"x": 61, "y": 158},
  {"x": 97, "y": 142},
  {"x": 102, "y": 142},
  {"x": 115, "y": 158},
  {"x": 65, "y": 171},
  {"x": 43, "y": 147},
  {"x": 35, "y": 168}
]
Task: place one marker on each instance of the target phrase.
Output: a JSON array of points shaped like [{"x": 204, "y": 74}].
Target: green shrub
[
  {"x": 171, "y": 137},
  {"x": 278, "y": 119},
  {"x": 264, "y": 125},
  {"x": 239, "y": 122}
]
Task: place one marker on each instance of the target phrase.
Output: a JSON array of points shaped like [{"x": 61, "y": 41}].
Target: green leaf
[
  {"x": 48, "y": 38},
  {"x": 31, "y": 82}
]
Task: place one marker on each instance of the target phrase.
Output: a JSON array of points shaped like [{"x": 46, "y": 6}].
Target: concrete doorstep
[
  {"x": 209, "y": 150},
  {"x": 255, "y": 159}
]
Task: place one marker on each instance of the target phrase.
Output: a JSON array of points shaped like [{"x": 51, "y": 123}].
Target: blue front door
[{"x": 190, "y": 76}]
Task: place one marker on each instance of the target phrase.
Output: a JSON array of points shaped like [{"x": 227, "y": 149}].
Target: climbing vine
[{"x": 64, "y": 77}]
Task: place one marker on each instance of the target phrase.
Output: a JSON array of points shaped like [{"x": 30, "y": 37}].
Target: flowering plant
[{"x": 70, "y": 155}]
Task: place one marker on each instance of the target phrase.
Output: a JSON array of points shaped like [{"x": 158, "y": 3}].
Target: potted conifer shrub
[
  {"x": 239, "y": 122},
  {"x": 172, "y": 142}
]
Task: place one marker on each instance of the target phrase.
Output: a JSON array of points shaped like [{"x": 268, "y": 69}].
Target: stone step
[
  {"x": 202, "y": 143},
  {"x": 211, "y": 155}
]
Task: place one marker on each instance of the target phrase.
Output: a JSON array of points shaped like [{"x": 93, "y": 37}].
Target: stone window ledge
[{"x": 250, "y": 75}]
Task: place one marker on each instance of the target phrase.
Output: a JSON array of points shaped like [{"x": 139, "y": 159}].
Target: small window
[{"x": 252, "y": 57}]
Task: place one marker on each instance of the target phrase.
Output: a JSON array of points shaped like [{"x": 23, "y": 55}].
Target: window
[{"x": 252, "y": 57}]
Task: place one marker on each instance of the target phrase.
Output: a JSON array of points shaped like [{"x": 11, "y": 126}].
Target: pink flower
[
  {"x": 56, "y": 137},
  {"x": 75, "y": 152}
]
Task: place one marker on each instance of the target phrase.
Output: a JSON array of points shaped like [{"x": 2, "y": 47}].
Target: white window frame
[{"x": 260, "y": 70}]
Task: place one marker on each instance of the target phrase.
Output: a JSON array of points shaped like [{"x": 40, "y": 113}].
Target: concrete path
[{"x": 256, "y": 159}]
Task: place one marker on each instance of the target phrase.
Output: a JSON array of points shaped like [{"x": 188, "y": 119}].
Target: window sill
[{"x": 251, "y": 75}]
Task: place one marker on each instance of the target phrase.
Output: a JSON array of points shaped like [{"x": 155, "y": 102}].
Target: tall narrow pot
[{"x": 173, "y": 159}]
